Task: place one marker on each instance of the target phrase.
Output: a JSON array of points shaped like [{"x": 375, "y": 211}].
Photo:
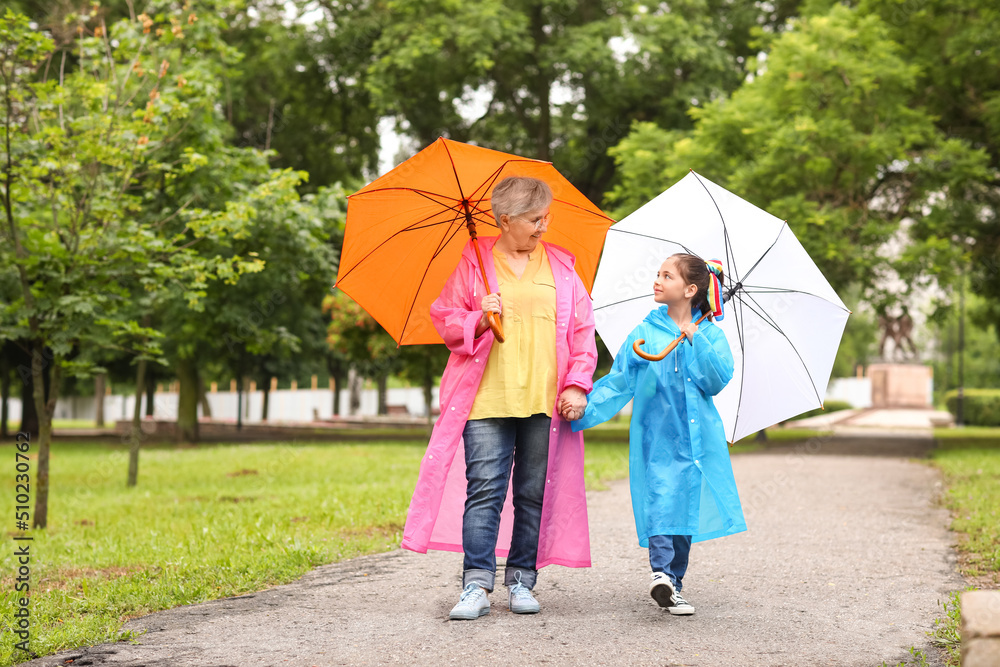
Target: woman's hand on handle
[
  {"x": 689, "y": 330},
  {"x": 491, "y": 303}
]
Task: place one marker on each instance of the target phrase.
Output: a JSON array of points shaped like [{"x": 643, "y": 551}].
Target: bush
[
  {"x": 831, "y": 406},
  {"x": 980, "y": 407}
]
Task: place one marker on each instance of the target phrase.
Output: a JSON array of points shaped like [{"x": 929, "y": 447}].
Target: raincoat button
[
  {"x": 697, "y": 461},
  {"x": 689, "y": 379},
  {"x": 477, "y": 361},
  {"x": 548, "y": 481},
  {"x": 692, "y": 421},
  {"x": 553, "y": 430},
  {"x": 430, "y": 456},
  {"x": 453, "y": 407}
]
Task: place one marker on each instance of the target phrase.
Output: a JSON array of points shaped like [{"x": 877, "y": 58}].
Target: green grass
[
  {"x": 972, "y": 478},
  {"x": 204, "y": 523},
  {"x": 969, "y": 459}
]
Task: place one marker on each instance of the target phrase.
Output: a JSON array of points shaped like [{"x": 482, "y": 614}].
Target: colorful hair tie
[{"x": 715, "y": 288}]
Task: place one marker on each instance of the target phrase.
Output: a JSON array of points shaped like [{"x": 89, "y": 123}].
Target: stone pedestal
[
  {"x": 981, "y": 629},
  {"x": 900, "y": 385}
]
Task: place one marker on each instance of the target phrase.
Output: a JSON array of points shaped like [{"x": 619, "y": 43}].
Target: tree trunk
[
  {"x": 4, "y": 400},
  {"x": 150, "y": 393},
  {"x": 29, "y": 411},
  {"x": 136, "y": 435},
  {"x": 239, "y": 403},
  {"x": 99, "y": 391},
  {"x": 206, "y": 407},
  {"x": 543, "y": 87},
  {"x": 383, "y": 393},
  {"x": 267, "y": 400},
  {"x": 187, "y": 401},
  {"x": 45, "y": 408},
  {"x": 354, "y": 388},
  {"x": 337, "y": 373}
]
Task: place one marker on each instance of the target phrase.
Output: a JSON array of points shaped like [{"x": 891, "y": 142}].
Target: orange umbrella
[{"x": 406, "y": 230}]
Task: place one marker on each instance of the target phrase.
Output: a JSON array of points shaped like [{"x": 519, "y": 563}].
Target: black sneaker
[{"x": 680, "y": 606}]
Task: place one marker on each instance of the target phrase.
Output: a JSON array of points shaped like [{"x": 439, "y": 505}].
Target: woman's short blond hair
[{"x": 515, "y": 195}]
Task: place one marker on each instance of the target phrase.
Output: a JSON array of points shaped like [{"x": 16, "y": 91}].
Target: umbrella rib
[
  {"x": 760, "y": 259},
  {"x": 769, "y": 320},
  {"x": 754, "y": 289},
  {"x": 443, "y": 243},
  {"x": 456, "y": 208},
  {"x": 491, "y": 180},
  {"x": 616, "y": 303},
  {"x": 730, "y": 256},
  {"x": 454, "y": 170},
  {"x": 409, "y": 228},
  {"x": 743, "y": 364},
  {"x": 655, "y": 238}
]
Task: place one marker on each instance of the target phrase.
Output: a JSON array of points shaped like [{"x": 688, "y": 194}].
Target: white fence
[
  {"x": 303, "y": 405},
  {"x": 300, "y": 405}
]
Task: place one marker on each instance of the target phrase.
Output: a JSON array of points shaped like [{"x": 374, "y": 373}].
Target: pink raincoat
[{"x": 434, "y": 520}]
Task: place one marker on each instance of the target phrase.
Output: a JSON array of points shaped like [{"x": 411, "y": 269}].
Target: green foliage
[
  {"x": 953, "y": 46},
  {"x": 980, "y": 407},
  {"x": 300, "y": 92},
  {"x": 547, "y": 78},
  {"x": 82, "y": 156},
  {"x": 981, "y": 349},
  {"x": 824, "y": 136}
]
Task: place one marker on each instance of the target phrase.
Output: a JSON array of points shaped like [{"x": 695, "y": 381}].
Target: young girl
[{"x": 681, "y": 479}]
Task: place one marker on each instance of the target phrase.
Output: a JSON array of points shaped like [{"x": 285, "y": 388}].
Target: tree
[
  {"x": 555, "y": 80},
  {"x": 953, "y": 45},
  {"x": 299, "y": 92},
  {"x": 354, "y": 335},
  {"x": 78, "y": 153},
  {"x": 825, "y": 136}
]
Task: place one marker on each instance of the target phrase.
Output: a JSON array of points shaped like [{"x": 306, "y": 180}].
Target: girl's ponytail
[{"x": 708, "y": 277}]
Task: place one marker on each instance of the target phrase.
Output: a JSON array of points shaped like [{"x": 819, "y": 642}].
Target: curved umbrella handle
[
  {"x": 494, "y": 318},
  {"x": 495, "y": 326},
  {"x": 667, "y": 350}
]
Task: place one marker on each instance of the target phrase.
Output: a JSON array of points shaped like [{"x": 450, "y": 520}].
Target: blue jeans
[
  {"x": 669, "y": 554},
  {"x": 492, "y": 446}
]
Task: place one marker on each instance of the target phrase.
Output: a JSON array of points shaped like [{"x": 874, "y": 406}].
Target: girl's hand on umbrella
[
  {"x": 492, "y": 304},
  {"x": 689, "y": 330}
]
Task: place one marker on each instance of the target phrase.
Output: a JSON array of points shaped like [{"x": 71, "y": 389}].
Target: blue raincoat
[{"x": 680, "y": 474}]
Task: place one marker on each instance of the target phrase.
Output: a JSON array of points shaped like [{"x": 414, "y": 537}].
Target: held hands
[
  {"x": 689, "y": 330},
  {"x": 572, "y": 403}
]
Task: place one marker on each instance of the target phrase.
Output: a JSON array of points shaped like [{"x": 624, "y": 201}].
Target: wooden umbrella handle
[
  {"x": 493, "y": 318},
  {"x": 667, "y": 350}
]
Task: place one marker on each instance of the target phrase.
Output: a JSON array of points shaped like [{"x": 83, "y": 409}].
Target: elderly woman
[{"x": 504, "y": 408}]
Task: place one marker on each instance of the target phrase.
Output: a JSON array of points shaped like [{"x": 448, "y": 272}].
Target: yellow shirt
[{"x": 520, "y": 375}]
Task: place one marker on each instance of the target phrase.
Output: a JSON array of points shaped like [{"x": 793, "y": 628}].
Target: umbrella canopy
[
  {"x": 406, "y": 230},
  {"x": 783, "y": 320}
]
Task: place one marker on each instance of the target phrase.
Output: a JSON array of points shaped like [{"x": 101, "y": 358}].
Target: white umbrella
[{"x": 783, "y": 320}]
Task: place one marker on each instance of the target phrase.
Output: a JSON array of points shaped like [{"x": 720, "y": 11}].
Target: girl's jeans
[
  {"x": 491, "y": 447},
  {"x": 669, "y": 554}
]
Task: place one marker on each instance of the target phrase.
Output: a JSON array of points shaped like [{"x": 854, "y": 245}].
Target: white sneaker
[
  {"x": 680, "y": 607},
  {"x": 471, "y": 605},
  {"x": 662, "y": 589}
]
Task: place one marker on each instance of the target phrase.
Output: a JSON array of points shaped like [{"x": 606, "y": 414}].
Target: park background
[{"x": 174, "y": 179}]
